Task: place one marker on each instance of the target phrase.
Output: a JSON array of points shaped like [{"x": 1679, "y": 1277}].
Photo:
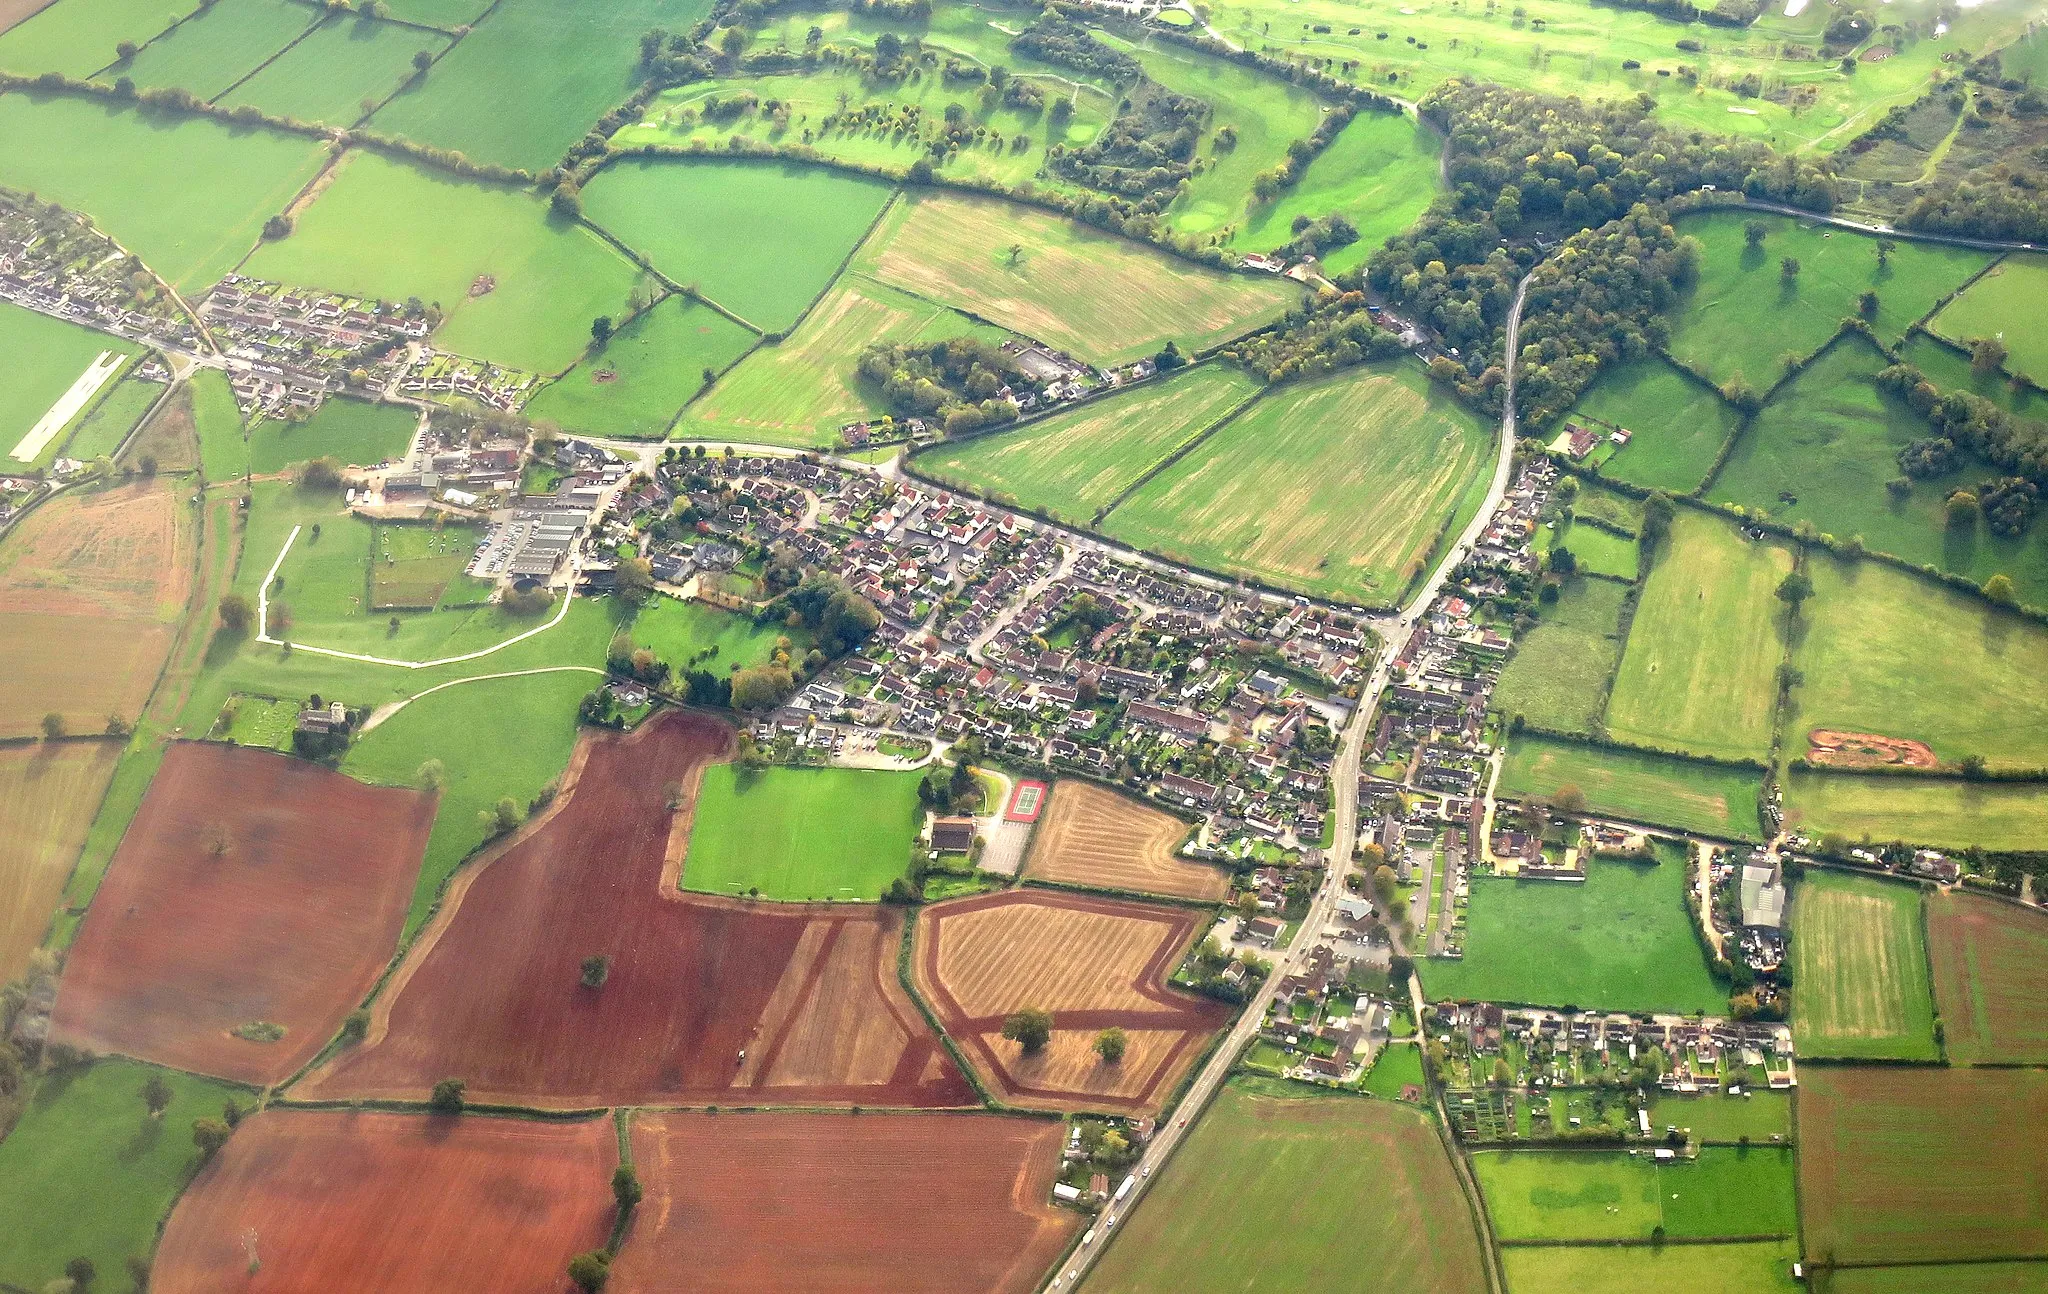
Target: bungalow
[{"x": 1265, "y": 930}]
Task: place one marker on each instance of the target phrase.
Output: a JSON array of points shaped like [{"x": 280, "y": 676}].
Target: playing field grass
[
  {"x": 1318, "y": 1167},
  {"x": 328, "y": 76},
  {"x": 1621, "y": 940},
  {"x": 762, "y": 239},
  {"x": 644, "y": 374},
  {"x": 1341, "y": 487},
  {"x": 678, "y": 632},
  {"x": 351, "y": 432},
  {"x": 1712, "y": 1117},
  {"x": 2001, "y": 305},
  {"x": 107, "y": 423},
  {"x": 1100, "y": 297},
  {"x": 1753, "y": 1268},
  {"x": 88, "y": 1173},
  {"x": 386, "y": 229},
  {"x": 802, "y": 833},
  {"x": 216, "y": 47},
  {"x": 1990, "y": 972},
  {"x": 1659, "y": 789},
  {"x": 1074, "y": 464},
  {"x": 1616, "y": 1195},
  {"x": 1676, "y": 424},
  {"x": 78, "y": 37},
  {"x": 1859, "y": 957},
  {"x": 1700, "y": 672},
  {"x": 1557, "y": 678},
  {"x": 45, "y": 356},
  {"x": 132, "y": 170},
  {"x": 1379, "y": 173},
  {"x": 1949, "y": 369},
  {"x": 1938, "y": 812}
]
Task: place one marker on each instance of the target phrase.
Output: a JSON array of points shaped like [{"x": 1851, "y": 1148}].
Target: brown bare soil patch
[
  {"x": 13, "y": 13},
  {"x": 1093, "y": 963},
  {"x": 397, "y": 1203},
  {"x": 1092, "y": 836},
  {"x": 902, "y": 1202},
  {"x": 1866, "y": 750},
  {"x": 491, "y": 992},
  {"x": 1876, "y": 54},
  {"x": 250, "y": 887},
  {"x": 1990, "y": 978},
  {"x": 483, "y": 285},
  {"x": 49, "y": 792}
]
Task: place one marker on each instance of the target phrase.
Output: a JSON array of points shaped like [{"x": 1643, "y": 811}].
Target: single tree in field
[
  {"x": 1795, "y": 588},
  {"x": 589, "y": 1271},
  {"x": 156, "y": 1095},
  {"x": 447, "y": 1097},
  {"x": 1030, "y": 1028},
  {"x": 1987, "y": 356},
  {"x": 1788, "y": 269},
  {"x": 597, "y": 968},
  {"x": 601, "y": 329},
  {"x": 1110, "y": 1044},
  {"x": 80, "y": 1272},
  {"x": 1963, "y": 510},
  {"x": 1885, "y": 248},
  {"x": 626, "y": 1189},
  {"x": 1866, "y": 305},
  {"x": 1753, "y": 232},
  {"x": 1569, "y": 799},
  {"x": 209, "y": 1135},
  {"x": 1015, "y": 252},
  {"x": 236, "y": 615},
  {"x": 432, "y": 776},
  {"x": 53, "y": 725}
]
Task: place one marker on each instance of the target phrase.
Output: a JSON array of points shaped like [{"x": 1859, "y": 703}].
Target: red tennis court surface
[{"x": 1025, "y": 802}]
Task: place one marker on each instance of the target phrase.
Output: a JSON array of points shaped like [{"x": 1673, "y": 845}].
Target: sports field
[
  {"x": 49, "y": 793},
  {"x": 1075, "y": 464},
  {"x": 1941, "y": 812},
  {"x": 1379, "y": 173},
  {"x": 1990, "y": 975},
  {"x": 216, "y": 47},
  {"x": 1339, "y": 487},
  {"x": 1753, "y": 1268},
  {"x": 802, "y": 833},
  {"x": 1317, "y": 1168},
  {"x": 2000, "y": 305},
  {"x": 1549, "y": 1195},
  {"x": 46, "y": 358},
  {"x": 1701, "y": 669},
  {"x": 1676, "y": 424},
  {"x": 329, "y": 75},
  {"x": 649, "y": 369},
  {"x": 1859, "y": 957},
  {"x": 350, "y": 432},
  {"x": 1557, "y": 678},
  {"x": 681, "y": 632},
  {"x": 1659, "y": 789}
]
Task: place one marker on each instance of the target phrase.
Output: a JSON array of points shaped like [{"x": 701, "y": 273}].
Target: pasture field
[
  {"x": 1622, "y": 940},
  {"x": 800, "y": 391},
  {"x": 1940, "y": 812},
  {"x": 204, "y": 412},
  {"x": 1755, "y": 1268},
  {"x": 92, "y": 586},
  {"x": 216, "y": 47},
  {"x": 132, "y": 170},
  {"x": 1379, "y": 173},
  {"x": 1990, "y": 974},
  {"x": 650, "y": 369},
  {"x": 100, "y": 432},
  {"x": 1743, "y": 316},
  {"x": 1396, "y": 1069},
  {"x": 802, "y": 833},
  {"x": 49, "y": 792},
  {"x": 1557, "y": 678},
  {"x": 351, "y": 432},
  {"x": 1075, "y": 464},
  {"x": 824, "y": 1201},
  {"x": 1660, "y": 789},
  {"x": 233, "y": 900},
  {"x": 1597, "y": 551},
  {"x": 1891, "y": 653},
  {"x": 45, "y": 357},
  {"x": 328, "y": 76},
  {"x": 1700, "y": 671},
  {"x": 1949, "y": 370},
  {"x": 1317, "y": 1168},
  {"x": 1092, "y": 963},
  {"x": 763, "y": 239},
  {"x": 1105, "y": 299},
  {"x": 1859, "y": 956},
  {"x": 1339, "y": 487},
  {"x": 412, "y": 566},
  {"x": 1676, "y": 424},
  {"x": 1920, "y": 1164},
  {"x": 444, "y": 14},
  {"x": 1758, "y": 1114},
  {"x": 78, "y": 39},
  {"x": 338, "y": 1198},
  {"x": 682, "y": 632},
  {"x": 1092, "y": 836},
  {"x": 531, "y": 79},
  {"x": 2001, "y": 305},
  {"x": 87, "y": 1173},
  {"x": 385, "y": 229},
  {"x": 809, "y": 993},
  {"x": 1548, "y": 1195}
]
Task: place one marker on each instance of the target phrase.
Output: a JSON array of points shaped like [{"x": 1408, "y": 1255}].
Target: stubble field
[
  {"x": 1860, "y": 960},
  {"x": 49, "y": 793},
  {"x": 1091, "y": 836}
]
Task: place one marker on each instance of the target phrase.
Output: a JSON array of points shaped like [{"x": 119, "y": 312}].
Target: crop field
[
  {"x": 132, "y": 170},
  {"x": 1550, "y": 1195},
  {"x": 1999, "y": 305},
  {"x": 1641, "y": 787},
  {"x": 1557, "y": 678},
  {"x": 350, "y": 432},
  {"x": 1756, "y": 1268},
  {"x": 636, "y": 383},
  {"x": 329, "y": 75},
  {"x": 1077, "y": 463},
  {"x": 802, "y": 833},
  {"x": 829, "y": 1201},
  {"x": 337, "y": 1199},
  {"x": 1676, "y": 424},
  {"x": 100, "y": 432},
  {"x": 216, "y": 47},
  {"x": 223, "y": 910},
  {"x": 1320, "y": 1170},
  {"x": 1091, "y": 836},
  {"x": 1919, "y": 1164},
  {"x": 92, "y": 584},
  {"x": 49, "y": 793},
  {"x": 676, "y": 630},
  {"x": 1339, "y": 487},
  {"x": 809, "y": 993},
  {"x": 1093, "y": 963},
  {"x": 1700, "y": 672},
  {"x": 519, "y": 286},
  {"x": 1713, "y": 1117},
  {"x": 51, "y": 356},
  {"x": 78, "y": 39},
  {"x": 1859, "y": 956},
  {"x": 1379, "y": 173},
  {"x": 1097, "y": 296},
  {"x": 1990, "y": 975},
  {"x": 1622, "y": 940},
  {"x": 2023, "y": 1277}
]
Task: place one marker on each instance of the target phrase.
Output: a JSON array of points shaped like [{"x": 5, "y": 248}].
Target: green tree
[
  {"x": 53, "y": 725},
  {"x": 156, "y": 1095},
  {"x": 1795, "y": 588},
  {"x": 601, "y": 329},
  {"x": 1788, "y": 269},
  {"x": 634, "y": 581},
  {"x": 1030, "y": 1028},
  {"x": 1753, "y": 233},
  {"x": 81, "y": 1273},
  {"x": 447, "y": 1096},
  {"x": 431, "y": 776},
  {"x": 1987, "y": 356},
  {"x": 209, "y": 1135},
  {"x": 1110, "y": 1044},
  {"x": 1999, "y": 589},
  {"x": 626, "y": 1189},
  {"x": 1657, "y": 513},
  {"x": 1962, "y": 510},
  {"x": 597, "y": 968},
  {"x": 589, "y": 1271}
]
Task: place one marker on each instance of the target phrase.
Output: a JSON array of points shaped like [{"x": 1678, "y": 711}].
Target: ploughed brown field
[
  {"x": 900, "y": 1202},
  {"x": 1990, "y": 978},
  {"x": 1093, "y": 836},
  {"x": 1093, "y": 963},
  {"x": 707, "y": 1000},
  {"x": 251, "y": 888},
  {"x": 331, "y": 1200}
]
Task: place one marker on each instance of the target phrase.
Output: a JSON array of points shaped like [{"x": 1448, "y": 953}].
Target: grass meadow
[
  {"x": 44, "y": 357},
  {"x": 1859, "y": 957},
  {"x": 1949, "y": 369},
  {"x": 328, "y": 76},
  {"x": 1557, "y": 678},
  {"x": 1642, "y": 787},
  {"x": 802, "y": 833},
  {"x": 635, "y": 385},
  {"x": 1379, "y": 173},
  {"x": 1757, "y": 1267},
  {"x": 206, "y": 411},
  {"x": 1551, "y": 1195},
  {"x": 2002, "y": 304},
  {"x": 1713, "y": 1117},
  {"x": 676, "y": 630},
  {"x": 1597, "y": 551},
  {"x": 352, "y": 432},
  {"x": 1940, "y": 812},
  {"x": 1990, "y": 973},
  {"x": 77, "y": 37},
  {"x": 445, "y": 14},
  {"x": 1676, "y": 424},
  {"x": 216, "y": 47},
  {"x": 100, "y": 432}
]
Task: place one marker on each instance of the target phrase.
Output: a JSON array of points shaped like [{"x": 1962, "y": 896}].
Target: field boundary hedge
[
  {"x": 1179, "y": 452},
  {"x": 1112, "y": 892}
]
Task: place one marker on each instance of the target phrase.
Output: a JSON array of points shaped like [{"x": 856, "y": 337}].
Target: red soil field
[
  {"x": 250, "y": 887},
  {"x": 1867, "y": 750},
  {"x": 1990, "y": 978},
  {"x": 491, "y": 992},
  {"x": 335, "y": 1200},
  {"x": 902, "y": 1202}
]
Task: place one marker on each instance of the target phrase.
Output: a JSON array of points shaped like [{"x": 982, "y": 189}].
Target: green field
[
  {"x": 1998, "y": 305},
  {"x": 418, "y": 565},
  {"x": 1758, "y": 1114},
  {"x": 1676, "y": 424},
  {"x": 1557, "y": 678},
  {"x": 1397, "y": 1069},
  {"x": 445, "y": 14},
  {"x": 1621, "y": 940},
  {"x": 1949, "y": 369},
  {"x": 1642, "y": 787},
  {"x": 77, "y": 38},
  {"x": 260, "y": 721},
  {"x": 1752, "y": 1268},
  {"x": 351, "y": 432},
  {"x": 1074, "y": 464},
  {"x": 1549, "y": 1195},
  {"x": 106, "y": 424},
  {"x": 1859, "y": 958},
  {"x": 1339, "y": 487},
  {"x": 802, "y": 833},
  {"x": 1379, "y": 173},
  {"x": 1940, "y": 812},
  {"x": 1700, "y": 672},
  {"x": 216, "y": 47},
  {"x": 329, "y": 75},
  {"x": 44, "y": 357},
  {"x": 676, "y": 630},
  {"x": 1318, "y": 1169},
  {"x": 1957, "y": 1278},
  {"x": 644, "y": 374},
  {"x": 208, "y": 405},
  {"x": 1598, "y": 551}
]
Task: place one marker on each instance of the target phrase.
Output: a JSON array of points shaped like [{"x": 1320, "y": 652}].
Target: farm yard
[
  {"x": 801, "y": 833},
  {"x": 1637, "y": 786},
  {"x": 1626, "y": 1196},
  {"x": 1990, "y": 969},
  {"x": 1090, "y": 836},
  {"x": 1859, "y": 956},
  {"x": 49, "y": 793}
]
